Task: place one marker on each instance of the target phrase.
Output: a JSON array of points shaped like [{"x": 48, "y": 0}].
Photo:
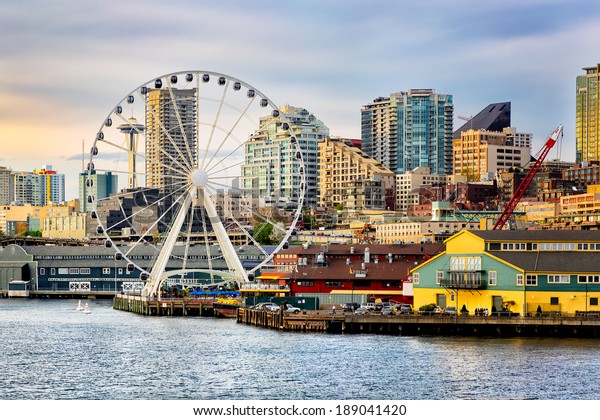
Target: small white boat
[
  {"x": 87, "y": 309},
  {"x": 79, "y": 307}
]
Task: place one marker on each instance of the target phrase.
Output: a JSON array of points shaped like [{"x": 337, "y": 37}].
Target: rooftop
[{"x": 539, "y": 235}]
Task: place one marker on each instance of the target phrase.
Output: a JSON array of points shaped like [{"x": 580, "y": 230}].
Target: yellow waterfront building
[{"x": 525, "y": 272}]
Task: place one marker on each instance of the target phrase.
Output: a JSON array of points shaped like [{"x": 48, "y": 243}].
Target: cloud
[{"x": 67, "y": 63}]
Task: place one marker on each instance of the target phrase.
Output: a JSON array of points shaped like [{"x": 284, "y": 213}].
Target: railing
[
  {"x": 260, "y": 286},
  {"x": 462, "y": 283}
]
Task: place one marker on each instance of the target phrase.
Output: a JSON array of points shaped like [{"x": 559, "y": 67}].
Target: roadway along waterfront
[{"x": 48, "y": 350}]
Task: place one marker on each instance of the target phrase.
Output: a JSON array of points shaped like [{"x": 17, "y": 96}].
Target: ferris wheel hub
[{"x": 199, "y": 178}]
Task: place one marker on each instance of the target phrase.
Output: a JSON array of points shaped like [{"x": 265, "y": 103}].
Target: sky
[{"x": 66, "y": 63}]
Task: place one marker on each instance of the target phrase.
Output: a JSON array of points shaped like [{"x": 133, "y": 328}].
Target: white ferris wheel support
[{"x": 157, "y": 276}]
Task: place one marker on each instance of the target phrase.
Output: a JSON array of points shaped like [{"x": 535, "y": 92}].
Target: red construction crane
[{"x": 520, "y": 191}]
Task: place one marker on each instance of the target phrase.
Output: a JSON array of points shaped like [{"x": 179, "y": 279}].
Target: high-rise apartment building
[
  {"x": 351, "y": 179},
  {"x": 587, "y": 122},
  {"x": 409, "y": 130},
  {"x": 102, "y": 186},
  {"x": 38, "y": 188},
  {"x": 30, "y": 188},
  {"x": 54, "y": 184},
  {"x": 7, "y": 188},
  {"x": 271, "y": 169},
  {"x": 169, "y": 149}
]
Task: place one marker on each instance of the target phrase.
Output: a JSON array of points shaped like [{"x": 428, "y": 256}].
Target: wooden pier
[
  {"x": 431, "y": 325},
  {"x": 164, "y": 307},
  {"x": 310, "y": 321}
]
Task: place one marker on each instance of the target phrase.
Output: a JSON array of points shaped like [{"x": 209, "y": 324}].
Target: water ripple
[{"x": 50, "y": 351}]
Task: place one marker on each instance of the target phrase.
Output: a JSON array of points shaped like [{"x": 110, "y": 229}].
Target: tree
[
  {"x": 21, "y": 228},
  {"x": 33, "y": 233},
  {"x": 277, "y": 233},
  {"x": 262, "y": 233},
  {"x": 506, "y": 305}
]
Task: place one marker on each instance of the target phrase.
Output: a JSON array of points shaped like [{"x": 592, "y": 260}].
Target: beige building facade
[
  {"x": 71, "y": 226},
  {"x": 408, "y": 186},
  {"x": 349, "y": 178},
  {"x": 479, "y": 154}
]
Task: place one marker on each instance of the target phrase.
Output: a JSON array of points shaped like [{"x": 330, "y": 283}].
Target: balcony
[{"x": 462, "y": 280}]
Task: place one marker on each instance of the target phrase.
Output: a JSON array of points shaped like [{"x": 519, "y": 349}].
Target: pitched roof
[
  {"x": 538, "y": 235},
  {"x": 550, "y": 262},
  {"x": 337, "y": 269},
  {"x": 374, "y": 249}
]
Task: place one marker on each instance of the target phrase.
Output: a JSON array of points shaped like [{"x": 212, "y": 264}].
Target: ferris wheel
[{"x": 210, "y": 177}]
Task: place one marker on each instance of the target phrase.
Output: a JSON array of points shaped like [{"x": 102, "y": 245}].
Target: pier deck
[
  {"x": 484, "y": 326},
  {"x": 165, "y": 307}
]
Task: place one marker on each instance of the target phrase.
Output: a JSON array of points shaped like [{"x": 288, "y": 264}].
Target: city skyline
[{"x": 68, "y": 63}]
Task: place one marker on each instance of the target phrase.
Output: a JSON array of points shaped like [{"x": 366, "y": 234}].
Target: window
[
  {"x": 519, "y": 279},
  {"x": 457, "y": 264},
  {"x": 557, "y": 247},
  {"x": 63, "y": 271},
  {"x": 73, "y": 270},
  {"x": 493, "y": 278},
  {"x": 53, "y": 271},
  {"x": 106, "y": 271},
  {"x": 569, "y": 247},
  {"x": 84, "y": 271},
  {"x": 120, "y": 271},
  {"x": 553, "y": 301},
  {"x": 531, "y": 280},
  {"x": 558, "y": 278},
  {"x": 305, "y": 283},
  {"x": 333, "y": 283},
  {"x": 415, "y": 278},
  {"x": 465, "y": 263},
  {"x": 545, "y": 247},
  {"x": 42, "y": 271},
  {"x": 588, "y": 279},
  {"x": 439, "y": 277},
  {"x": 593, "y": 301},
  {"x": 473, "y": 263}
]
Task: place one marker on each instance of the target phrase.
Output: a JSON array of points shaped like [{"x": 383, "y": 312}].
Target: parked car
[
  {"x": 369, "y": 306},
  {"x": 388, "y": 310},
  {"x": 350, "y": 307},
  {"x": 291, "y": 309},
  {"x": 361, "y": 311},
  {"x": 405, "y": 309},
  {"x": 266, "y": 306},
  {"x": 450, "y": 310}
]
